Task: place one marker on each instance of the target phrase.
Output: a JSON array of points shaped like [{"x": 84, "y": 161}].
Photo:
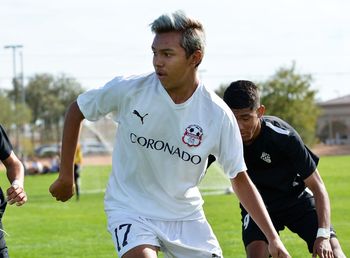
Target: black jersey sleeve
[
  {"x": 5, "y": 145},
  {"x": 303, "y": 159}
]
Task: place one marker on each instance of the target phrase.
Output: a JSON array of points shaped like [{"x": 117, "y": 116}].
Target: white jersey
[{"x": 161, "y": 149}]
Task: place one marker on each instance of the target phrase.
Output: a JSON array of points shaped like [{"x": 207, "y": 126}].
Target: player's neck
[
  {"x": 257, "y": 131},
  {"x": 183, "y": 92}
]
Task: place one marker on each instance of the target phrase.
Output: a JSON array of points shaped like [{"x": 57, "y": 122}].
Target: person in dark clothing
[
  {"x": 15, "y": 175},
  {"x": 284, "y": 171},
  {"x": 78, "y": 159}
]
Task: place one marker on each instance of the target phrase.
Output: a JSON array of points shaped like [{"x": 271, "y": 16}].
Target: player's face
[
  {"x": 249, "y": 123},
  {"x": 171, "y": 65}
]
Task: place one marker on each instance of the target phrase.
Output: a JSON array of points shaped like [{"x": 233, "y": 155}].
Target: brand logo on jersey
[
  {"x": 135, "y": 112},
  {"x": 266, "y": 157},
  {"x": 193, "y": 135}
]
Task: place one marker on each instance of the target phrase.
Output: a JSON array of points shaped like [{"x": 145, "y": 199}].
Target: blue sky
[{"x": 95, "y": 41}]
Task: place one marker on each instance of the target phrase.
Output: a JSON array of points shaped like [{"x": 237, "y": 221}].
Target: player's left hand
[
  {"x": 16, "y": 194},
  {"x": 277, "y": 249},
  {"x": 322, "y": 248}
]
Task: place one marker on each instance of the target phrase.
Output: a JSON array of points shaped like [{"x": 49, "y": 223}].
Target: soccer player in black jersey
[
  {"x": 15, "y": 174},
  {"x": 285, "y": 172}
]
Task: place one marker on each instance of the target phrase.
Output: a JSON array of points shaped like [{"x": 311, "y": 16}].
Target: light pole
[
  {"x": 15, "y": 85},
  {"x": 14, "y": 48},
  {"x": 23, "y": 95}
]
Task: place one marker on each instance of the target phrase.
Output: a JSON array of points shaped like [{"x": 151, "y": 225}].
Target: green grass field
[{"x": 44, "y": 228}]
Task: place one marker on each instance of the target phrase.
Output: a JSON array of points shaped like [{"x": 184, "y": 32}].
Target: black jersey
[
  {"x": 5, "y": 145},
  {"x": 278, "y": 162}
]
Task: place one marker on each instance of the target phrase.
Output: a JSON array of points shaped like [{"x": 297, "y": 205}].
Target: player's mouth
[{"x": 161, "y": 74}]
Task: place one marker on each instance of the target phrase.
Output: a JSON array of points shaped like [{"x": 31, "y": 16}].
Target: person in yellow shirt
[{"x": 78, "y": 159}]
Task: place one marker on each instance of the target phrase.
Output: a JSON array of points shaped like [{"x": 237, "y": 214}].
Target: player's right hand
[
  {"x": 16, "y": 194},
  {"x": 62, "y": 190},
  {"x": 322, "y": 248}
]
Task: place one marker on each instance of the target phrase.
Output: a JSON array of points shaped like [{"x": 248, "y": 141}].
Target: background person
[
  {"x": 34, "y": 166},
  {"x": 55, "y": 163},
  {"x": 78, "y": 160},
  {"x": 282, "y": 168}
]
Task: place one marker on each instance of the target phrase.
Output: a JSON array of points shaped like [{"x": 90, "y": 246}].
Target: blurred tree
[
  {"x": 220, "y": 91},
  {"x": 6, "y": 114},
  {"x": 66, "y": 89},
  {"x": 12, "y": 113},
  {"x": 289, "y": 96},
  {"x": 14, "y": 117},
  {"x": 48, "y": 97},
  {"x": 14, "y": 94}
]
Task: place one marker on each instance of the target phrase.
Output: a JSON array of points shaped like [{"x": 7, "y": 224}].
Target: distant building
[{"x": 333, "y": 126}]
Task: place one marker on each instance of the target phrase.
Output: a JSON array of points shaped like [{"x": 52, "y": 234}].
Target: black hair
[{"x": 242, "y": 94}]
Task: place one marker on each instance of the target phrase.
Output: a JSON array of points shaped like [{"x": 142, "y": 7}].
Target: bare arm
[
  {"x": 15, "y": 175},
  {"x": 317, "y": 187},
  {"x": 315, "y": 184},
  {"x": 62, "y": 188},
  {"x": 253, "y": 203}
]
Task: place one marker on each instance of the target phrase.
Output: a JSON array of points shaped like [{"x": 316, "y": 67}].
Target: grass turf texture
[{"x": 44, "y": 228}]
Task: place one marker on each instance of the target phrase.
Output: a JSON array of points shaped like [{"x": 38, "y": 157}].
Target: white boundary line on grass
[
  {"x": 204, "y": 193},
  {"x": 93, "y": 191}
]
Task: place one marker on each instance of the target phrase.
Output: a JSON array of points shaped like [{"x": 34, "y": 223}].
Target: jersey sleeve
[
  {"x": 97, "y": 103},
  {"x": 230, "y": 155},
  {"x": 303, "y": 159},
  {"x": 5, "y": 145}
]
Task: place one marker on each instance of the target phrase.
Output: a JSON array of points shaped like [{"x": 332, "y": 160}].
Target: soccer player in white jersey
[{"x": 168, "y": 124}]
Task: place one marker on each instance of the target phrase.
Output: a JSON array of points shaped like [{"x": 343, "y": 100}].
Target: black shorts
[
  {"x": 300, "y": 219},
  {"x": 3, "y": 247},
  {"x": 3, "y": 203}
]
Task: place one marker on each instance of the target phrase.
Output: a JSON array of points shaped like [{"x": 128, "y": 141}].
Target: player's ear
[
  {"x": 260, "y": 111},
  {"x": 197, "y": 57}
]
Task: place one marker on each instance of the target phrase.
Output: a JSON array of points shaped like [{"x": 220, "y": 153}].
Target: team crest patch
[{"x": 193, "y": 135}]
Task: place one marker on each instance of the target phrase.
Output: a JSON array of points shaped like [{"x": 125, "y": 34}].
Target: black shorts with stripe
[{"x": 300, "y": 219}]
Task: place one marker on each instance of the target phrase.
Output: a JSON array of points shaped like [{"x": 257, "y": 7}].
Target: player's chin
[
  {"x": 165, "y": 82},
  {"x": 246, "y": 139}
]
